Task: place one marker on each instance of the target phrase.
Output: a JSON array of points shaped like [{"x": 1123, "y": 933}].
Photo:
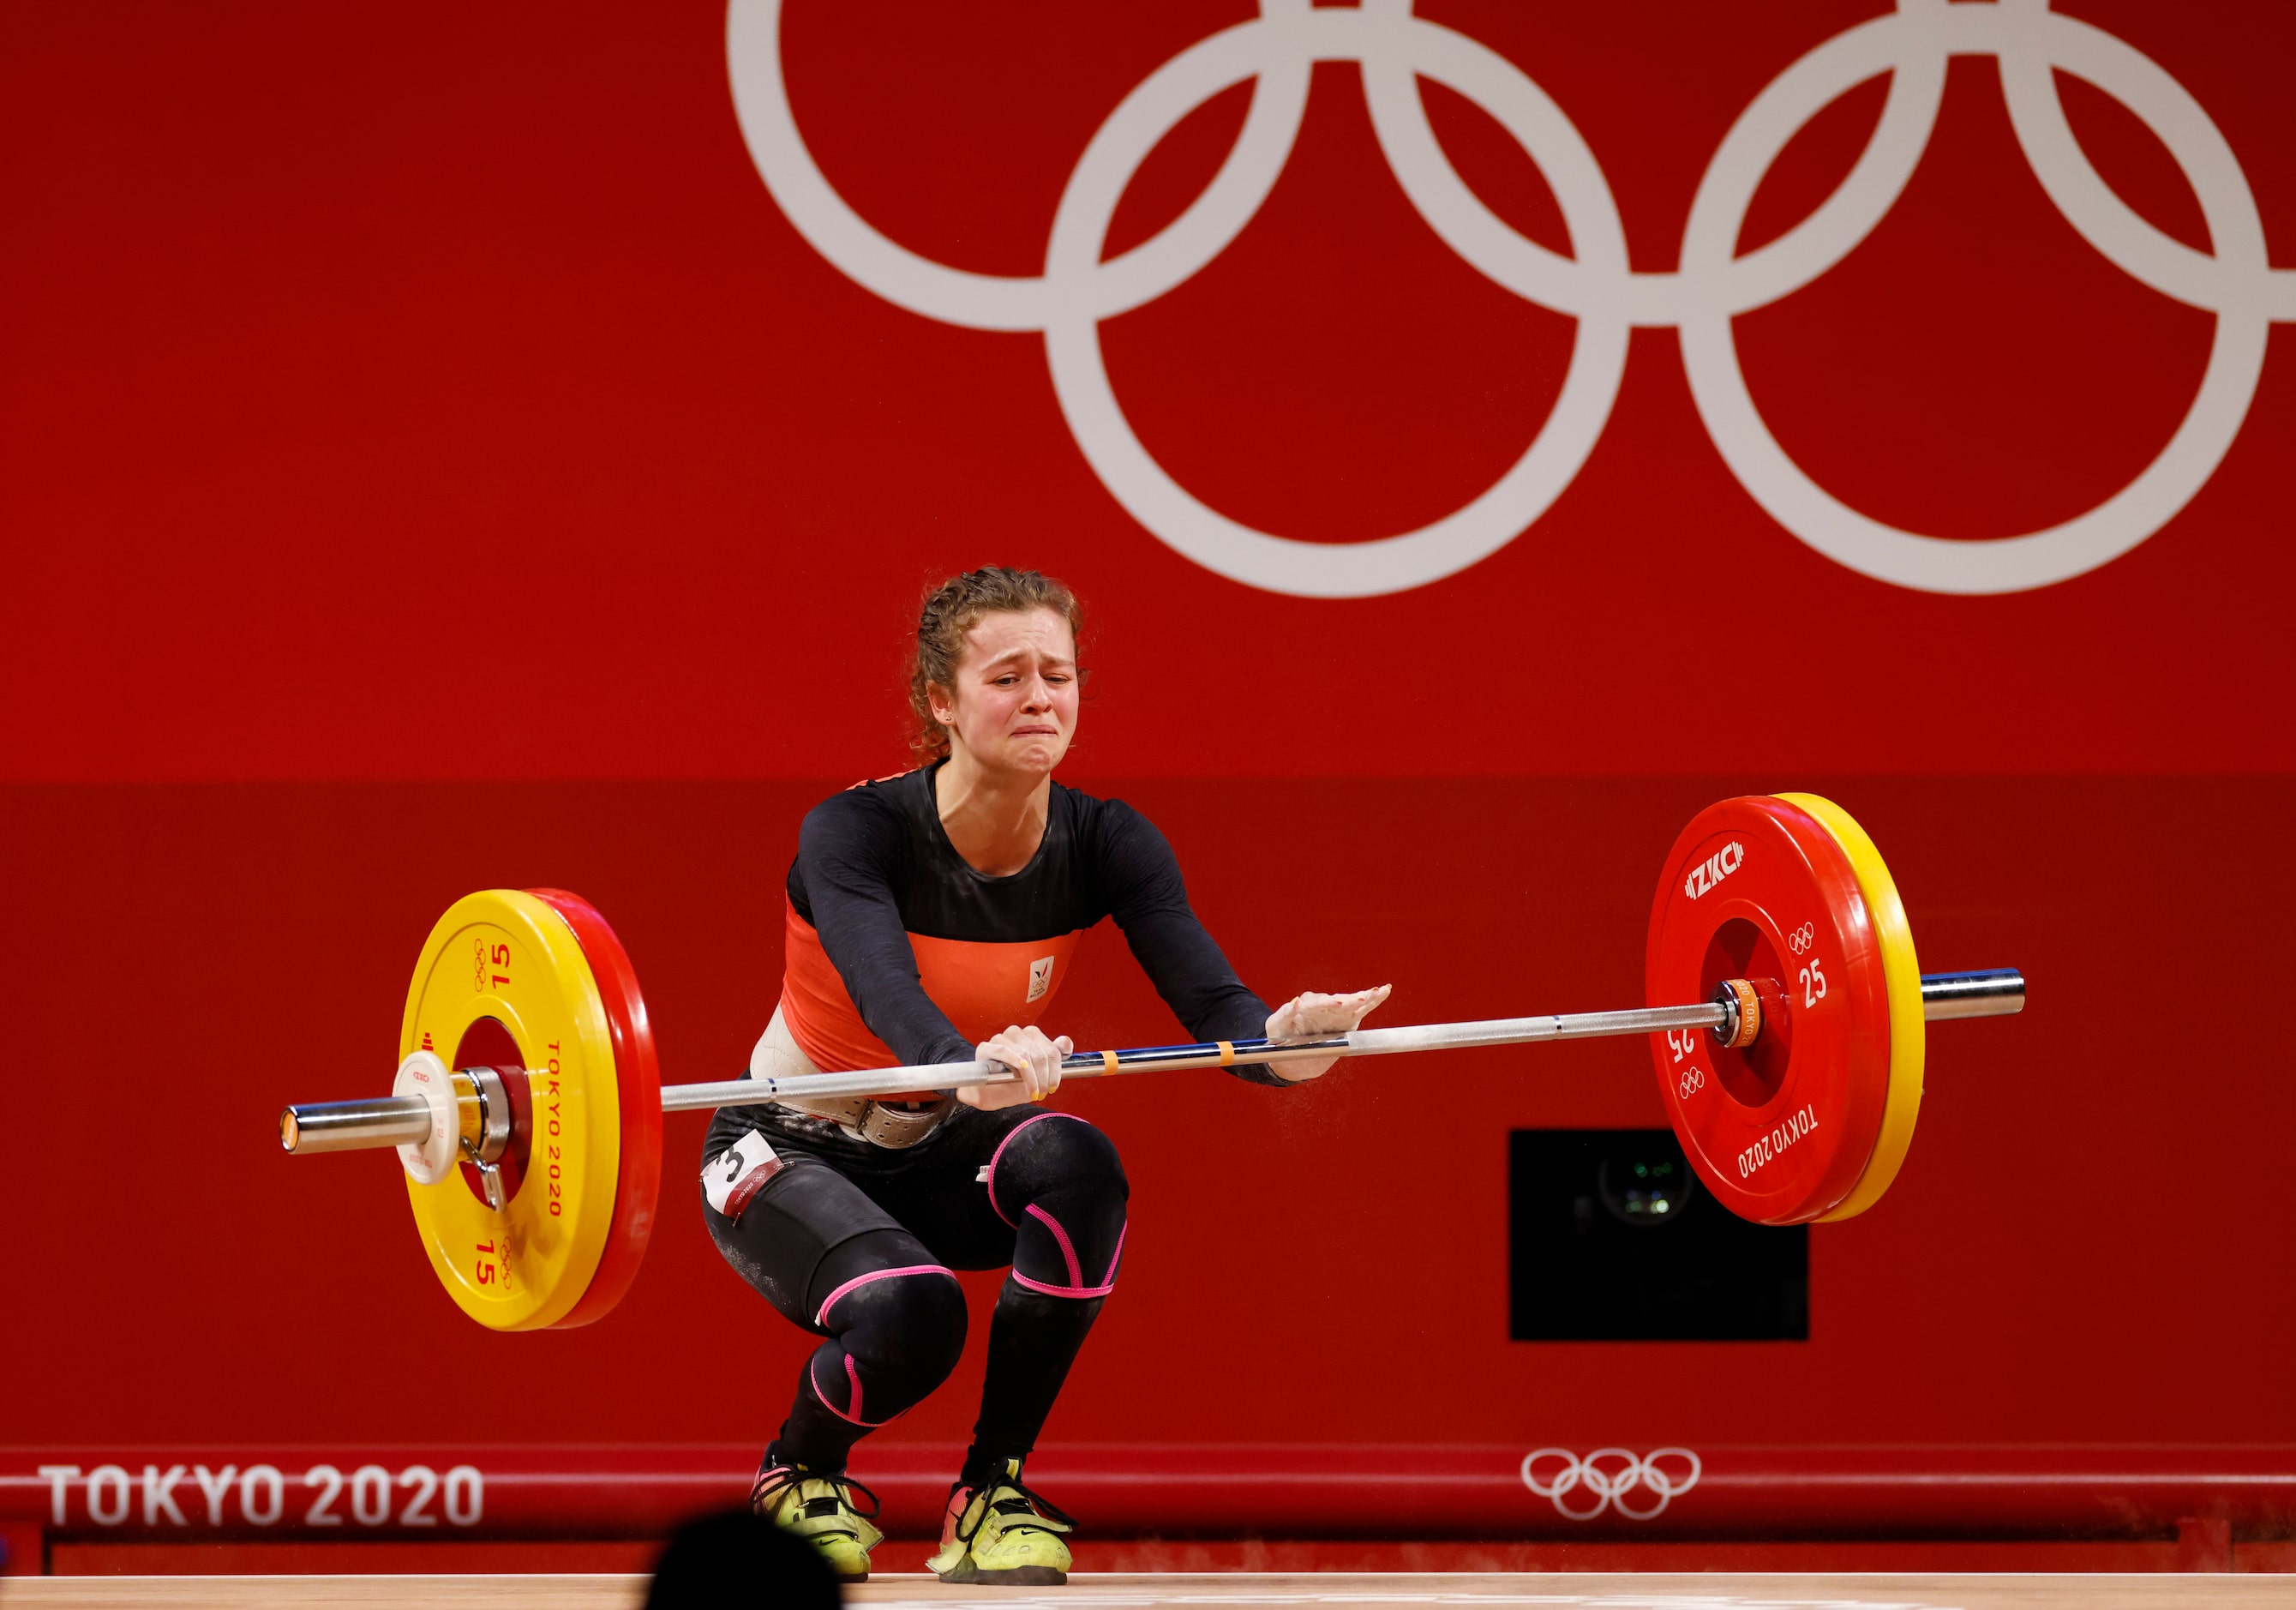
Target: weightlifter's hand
[
  {"x": 1312, "y": 1017},
  {"x": 1028, "y": 1053}
]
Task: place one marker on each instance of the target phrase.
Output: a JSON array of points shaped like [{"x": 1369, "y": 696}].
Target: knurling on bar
[{"x": 390, "y": 1121}]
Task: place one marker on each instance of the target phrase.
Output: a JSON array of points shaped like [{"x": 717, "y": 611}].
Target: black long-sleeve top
[{"x": 877, "y": 890}]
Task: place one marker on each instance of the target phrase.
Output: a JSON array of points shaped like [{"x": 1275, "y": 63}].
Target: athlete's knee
[
  {"x": 1065, "y": 1197},
  {"x": 902, "y": 1328},
  {"x": 1090, "y": 1164},
  {"x": 1059, "y": 1156}
]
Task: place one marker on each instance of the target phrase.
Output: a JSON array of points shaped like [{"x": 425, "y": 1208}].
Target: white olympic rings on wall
[
  {"x": 1608, "y": 1476},
  {"x": 1275, "y": 53}
]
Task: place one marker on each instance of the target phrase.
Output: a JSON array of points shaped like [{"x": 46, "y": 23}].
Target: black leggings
[{"x": 856, "y": 1243}]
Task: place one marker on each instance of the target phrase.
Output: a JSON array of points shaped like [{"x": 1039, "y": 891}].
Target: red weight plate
[
  {"x": 637, "y": 1088},
  {"x": 1756, "y": 888}
]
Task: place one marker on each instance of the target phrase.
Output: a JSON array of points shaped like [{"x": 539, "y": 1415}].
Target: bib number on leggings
[{"x": 732, "y": 1178}]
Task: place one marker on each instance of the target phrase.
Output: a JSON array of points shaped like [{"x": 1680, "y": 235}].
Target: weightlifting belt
[{"x": 864, "y": 1117}]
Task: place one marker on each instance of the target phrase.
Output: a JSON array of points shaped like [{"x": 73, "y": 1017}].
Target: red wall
[
  {"x": 432, "y": 393},
  {"x": 429, "y": 459},
  {"x": 2089, "y": 1239}
]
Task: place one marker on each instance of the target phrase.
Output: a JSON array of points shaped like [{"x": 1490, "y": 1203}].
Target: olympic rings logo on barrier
[
  {"x": 1608, "y": 1475},
  {"x": 1275, "y": 53}
]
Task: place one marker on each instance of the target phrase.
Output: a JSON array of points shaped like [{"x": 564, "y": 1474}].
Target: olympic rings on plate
[
  {"x": 1275, "y": 53},
  {"x": 1610, "y": 1475},
  {"x": 1798, "y": 940}
]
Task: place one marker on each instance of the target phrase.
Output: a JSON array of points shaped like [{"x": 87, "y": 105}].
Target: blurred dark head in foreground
[{"x": 737, "y": 1559}]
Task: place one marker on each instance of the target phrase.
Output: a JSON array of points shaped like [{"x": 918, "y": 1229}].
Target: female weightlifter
[{"x": 931, "y": 917}]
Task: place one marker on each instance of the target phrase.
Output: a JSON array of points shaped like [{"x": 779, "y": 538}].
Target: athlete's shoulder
[
  {"x": 879, "y": 806},
  {"x": 897, "y": 791},
  {"x": 1088, "y": 811},
  {"x": 1114, "y": 832}
]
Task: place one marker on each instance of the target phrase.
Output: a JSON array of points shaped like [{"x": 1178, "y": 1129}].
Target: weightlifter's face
[{"x": 1014, "y": 704}]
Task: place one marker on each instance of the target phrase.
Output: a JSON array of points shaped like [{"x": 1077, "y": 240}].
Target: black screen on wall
[{"x": 1611, "y": 1238}]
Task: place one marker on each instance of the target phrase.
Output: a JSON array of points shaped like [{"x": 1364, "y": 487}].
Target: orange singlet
[
  {"x": 981, "y": 986},
  {"x": 898, "y": 952}
]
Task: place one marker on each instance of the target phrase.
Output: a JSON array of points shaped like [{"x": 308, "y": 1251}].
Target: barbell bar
[{"x": 389, "y": 1120}]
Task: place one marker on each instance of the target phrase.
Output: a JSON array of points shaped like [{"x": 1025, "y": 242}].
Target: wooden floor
[{"x": 1241, "y": 1590}]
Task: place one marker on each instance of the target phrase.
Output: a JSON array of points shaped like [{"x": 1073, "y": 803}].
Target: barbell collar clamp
[
  {"x": 1744, "y": 1024},
  {"x": 483, "y": 1117},
  {"x": 482, "y": 1103},
  {"x": 489, "y": 1177}
]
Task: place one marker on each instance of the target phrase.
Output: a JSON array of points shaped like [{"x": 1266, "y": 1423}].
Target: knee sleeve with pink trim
[
  {"x": 1059, "y": 1183},
  {"x": 895, "y": 1332}
]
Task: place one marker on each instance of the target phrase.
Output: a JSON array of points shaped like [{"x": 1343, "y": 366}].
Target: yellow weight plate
[
  {"x": 1908, "y": 1030},
  {"x": 506, "y": 955}
]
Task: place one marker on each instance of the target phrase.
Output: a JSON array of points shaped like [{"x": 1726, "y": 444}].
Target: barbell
[{"x": 1788, "y": 1033}]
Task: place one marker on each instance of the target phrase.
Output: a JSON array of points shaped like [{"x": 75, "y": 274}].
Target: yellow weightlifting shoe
[
  {"x": 820, "y": 1509},
  {"x": 1002, "y": 1536}
]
